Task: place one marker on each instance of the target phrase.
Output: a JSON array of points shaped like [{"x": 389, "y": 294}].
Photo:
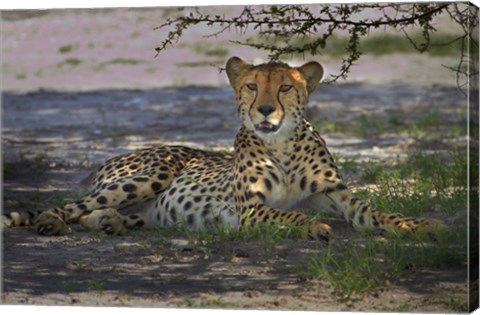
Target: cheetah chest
[{"x": 278, "y": 185}]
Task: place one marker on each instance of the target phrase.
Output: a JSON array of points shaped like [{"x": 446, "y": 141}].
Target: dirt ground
[
  {"x": 86, "y": 269},
  {"x": 91, "y": 89}
]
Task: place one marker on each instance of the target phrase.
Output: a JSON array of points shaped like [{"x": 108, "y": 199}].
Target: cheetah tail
[{"x": 14, "y": 219}]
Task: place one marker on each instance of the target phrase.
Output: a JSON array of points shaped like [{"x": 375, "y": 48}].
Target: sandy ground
[
  {"x": 114, "y": 48},
  {"x": 80, "y": 87}
]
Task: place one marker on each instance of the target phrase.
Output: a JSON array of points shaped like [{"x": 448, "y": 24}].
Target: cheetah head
[{"x": 272, "y": 97}]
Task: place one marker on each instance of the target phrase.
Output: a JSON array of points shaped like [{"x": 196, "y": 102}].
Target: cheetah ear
[
  {"x": 234, "y": 67},
  {"x": 312, "y": 72}
]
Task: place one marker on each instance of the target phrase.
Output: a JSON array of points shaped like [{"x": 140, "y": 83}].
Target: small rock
[
  {"x": 128, "y": 248},
  {"x": 240, "y": 253}
]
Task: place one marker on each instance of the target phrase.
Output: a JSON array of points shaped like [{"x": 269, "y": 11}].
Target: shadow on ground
[{"x": 52, "y": 141}]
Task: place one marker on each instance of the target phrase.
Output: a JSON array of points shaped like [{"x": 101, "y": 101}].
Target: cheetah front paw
[
  {"x": 111, "y": 222},
  {"x": 422, "y": 228},
  {"x": 49, "y": 223},
  {"x": 319, "y": 231}
]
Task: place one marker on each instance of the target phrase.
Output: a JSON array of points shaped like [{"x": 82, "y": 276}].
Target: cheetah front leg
[
  {"x": 364, "y": 217},
  {"x": 253, "y": 211},
  {"x": 309, "y": 228}
]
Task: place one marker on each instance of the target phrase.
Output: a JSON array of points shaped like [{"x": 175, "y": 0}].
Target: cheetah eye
[
  {"x": 252, "y": 86},
  {"x": 285, "y": 88}
]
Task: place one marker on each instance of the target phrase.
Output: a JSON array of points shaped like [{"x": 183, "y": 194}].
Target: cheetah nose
[{"x": 266, "y": 110}]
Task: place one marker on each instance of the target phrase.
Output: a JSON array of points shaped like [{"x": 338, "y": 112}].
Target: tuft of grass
[
  {"x": 61, "y": 199},
  {"x": 217, "y": 52},
  {"x": 70, "y": 62},
  {"x": 209, "y": 49},
  {"x": 66, "y": 49},
  {"x": 69, "y": 287},
  {"x": 372, "y": 172},
  {"x": 220, "y": 239},
  {"x": 365, "y": 263},
  {"x": 98, "y": 285},
  {"x": 452, "y": 303},
  {"x": 37, "y": 161},
  {"x": 6, "y": 169},
  {"x": 424, "y": 182},
  {"x": 270, "y": 232},
  {"x": 125, "y": 61},
  {"x": 120, "y": 61},
  {"x": 348, "y": 267},
  {"x": 441, "y": 44},
  {"x": 431, "y": 123},
  {"x": 331, "y": 126},
  {"x": 36, "y": 197},
  {"x": 368, "y": 126}
]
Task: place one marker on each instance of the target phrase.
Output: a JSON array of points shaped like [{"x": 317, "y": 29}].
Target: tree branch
[{"x": 282, "y": 23}]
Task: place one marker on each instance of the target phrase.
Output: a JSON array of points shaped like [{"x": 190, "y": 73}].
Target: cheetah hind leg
[
  {"x": 50, "y": 222},
  {"x": 14, "y": 219},
  {"x": 53, "y": 222}
]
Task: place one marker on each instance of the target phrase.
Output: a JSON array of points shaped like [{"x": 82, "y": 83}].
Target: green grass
[
  {"x": 349, "y": 267},
  {"x": 6, "y": 169},
  {"x": 221, "y": 238},
  {"x": 441, "y": 44},
  {"x": 97, "y": 285},
  {"x": 120, "y": 61},
  {"x": 430, "y": 123},
  {"x": 37, "y": 161},
  {"x": 217, "y": 52},
  {"x": 362, "y": 264},
  {"x": 424, "y": 182},
  {"x": 62, "y": 199},
  {"x": 66, "y": 49},
  {"x": 70, "y": 62},
  {"x": 453, "y": 304},
  {"x": 124, "y": 61},
  {"x": 69, "y": 287},
  {"x": 414, "y": 186},
  {"x": 208, "y": 49},
  {"x": 39, "y": 73}
]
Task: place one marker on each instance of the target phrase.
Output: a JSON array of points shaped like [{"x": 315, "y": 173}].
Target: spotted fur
[{"x": 280, "y": 167}]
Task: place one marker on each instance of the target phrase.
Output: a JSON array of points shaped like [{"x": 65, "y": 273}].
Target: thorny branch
[{"x": 280, "y": 26}]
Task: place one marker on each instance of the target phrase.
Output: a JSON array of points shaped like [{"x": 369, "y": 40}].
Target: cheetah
[{"x": 279, "y": 170}]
